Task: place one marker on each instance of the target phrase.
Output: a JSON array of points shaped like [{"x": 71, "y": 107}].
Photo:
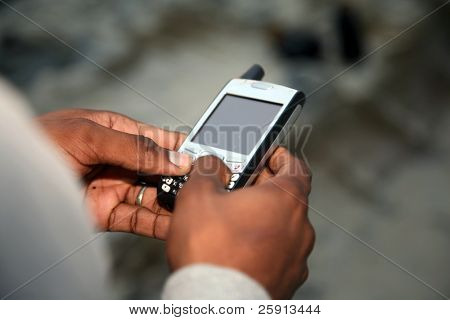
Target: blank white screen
[{"x": 237, "y": 124}]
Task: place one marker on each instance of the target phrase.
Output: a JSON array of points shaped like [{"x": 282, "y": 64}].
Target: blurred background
[{"x": 379, "y": 149}]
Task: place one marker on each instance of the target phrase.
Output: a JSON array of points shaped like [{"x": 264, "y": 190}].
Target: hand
[
  {"x": 261, "y": 230},
  {"x": 107, "y": 150}
]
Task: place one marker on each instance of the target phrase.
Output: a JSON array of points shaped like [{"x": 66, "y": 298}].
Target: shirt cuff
[{"x": 210, "y": 282}]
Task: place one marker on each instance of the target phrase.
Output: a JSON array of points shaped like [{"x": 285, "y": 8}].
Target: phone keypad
[
  {"x": 169, "y": 187},
  {"x": 234, "y": 177},
  {"x": 235, "y": 167}
]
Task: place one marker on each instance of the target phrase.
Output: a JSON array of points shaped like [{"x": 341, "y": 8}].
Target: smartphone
[{"x": 242, "y": 126}]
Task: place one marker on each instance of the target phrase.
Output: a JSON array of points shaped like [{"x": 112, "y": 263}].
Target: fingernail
[{"x": 181, "y": 160}]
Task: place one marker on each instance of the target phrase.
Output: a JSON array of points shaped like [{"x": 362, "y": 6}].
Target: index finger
[{"x": 171, "y": 140}]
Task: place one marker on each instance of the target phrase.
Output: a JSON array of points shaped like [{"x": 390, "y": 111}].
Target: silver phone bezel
[{"x": 252, "y": 89}]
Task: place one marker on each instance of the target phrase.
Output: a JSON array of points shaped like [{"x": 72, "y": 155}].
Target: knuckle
[
  {"x": 85, "y": 132},
  {"x": 293, "y": 189},
  {"x": 304, "y": 168},
  {"x": 302, "y": 173},
  {"x": 83, "y": 126},
  {"x": 305, "y": 274},
  {"x": 147, "y": 145},
  {"x": 312, "y": 238},
  {"x": 309, "y": 238},
  {"x": 149, "y": 154}
]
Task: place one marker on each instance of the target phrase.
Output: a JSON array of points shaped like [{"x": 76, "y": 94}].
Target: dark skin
[
  {"x": 262, "y": 230},
  {"x": 103, "y": 148}
]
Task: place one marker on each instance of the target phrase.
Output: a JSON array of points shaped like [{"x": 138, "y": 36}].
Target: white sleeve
[
  {"x": 48, "y": 247},
  {"x": 210, "y": 282}
]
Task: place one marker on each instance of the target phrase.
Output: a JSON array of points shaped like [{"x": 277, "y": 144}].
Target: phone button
[
  {"x": 168, "y": 181},
  {"x": 234, "y": 177},
  {"x": 261, "y": 85},
  {"x": 165, "y": 188},
  {"x": 231, "y": 185},
  {"x": 235, "y": 167}
]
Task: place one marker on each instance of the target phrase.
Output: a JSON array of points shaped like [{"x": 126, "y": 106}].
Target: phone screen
[{"x": 237, "y": 124}]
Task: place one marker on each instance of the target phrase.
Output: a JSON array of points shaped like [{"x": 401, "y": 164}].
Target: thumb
[
  {"x": 137, "y": 153},
  {"x": 209, "y": 174}
]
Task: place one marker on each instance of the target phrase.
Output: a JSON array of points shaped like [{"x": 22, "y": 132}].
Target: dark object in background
[
  {"x": 22, "y": 58},
  {"x": 255, "y": 72},
  {"x": 349, "y": 34},
  {"x": 295, "y": 44}
]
